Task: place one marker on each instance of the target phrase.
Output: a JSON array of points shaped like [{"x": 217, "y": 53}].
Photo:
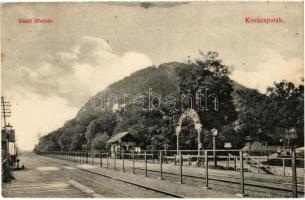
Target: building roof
[
  {"x": 116, "y": 137},
  {"x": 256, "y": 146},
  {"x": 301, "y": 149}
]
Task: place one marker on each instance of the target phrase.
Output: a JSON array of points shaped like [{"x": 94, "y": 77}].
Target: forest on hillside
[{"x": 241, "y": 113}]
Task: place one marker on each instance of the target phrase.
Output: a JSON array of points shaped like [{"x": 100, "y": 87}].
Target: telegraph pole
[{"x": 6, "y": 112}]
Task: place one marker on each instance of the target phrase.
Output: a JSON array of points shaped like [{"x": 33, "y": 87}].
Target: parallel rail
[
  {"x": 124, "y": 181},
  {"x": 273, "y": 188},
  {"x": 251, "y": 183}
]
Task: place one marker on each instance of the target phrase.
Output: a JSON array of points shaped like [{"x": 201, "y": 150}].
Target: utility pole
[
  {"x": 6, "y": 112},
  {"x": 214, "y": 134},
  {"x": 5, "y": 131}
]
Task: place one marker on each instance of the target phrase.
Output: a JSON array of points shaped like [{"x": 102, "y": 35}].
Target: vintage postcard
[{"x": 152, "y": 99}]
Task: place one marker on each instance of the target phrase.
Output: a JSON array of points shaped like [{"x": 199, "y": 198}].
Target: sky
[{"x": 48, "y": 71}]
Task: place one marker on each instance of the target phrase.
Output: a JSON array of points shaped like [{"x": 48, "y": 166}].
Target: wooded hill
[{"x": 241, "y": 111}]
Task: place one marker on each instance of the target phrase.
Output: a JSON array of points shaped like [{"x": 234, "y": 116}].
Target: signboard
[{"x": 228, "y": 145}]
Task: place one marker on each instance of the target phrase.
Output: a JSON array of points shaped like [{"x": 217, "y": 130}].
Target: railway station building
[{"x": 121, "y": 141}]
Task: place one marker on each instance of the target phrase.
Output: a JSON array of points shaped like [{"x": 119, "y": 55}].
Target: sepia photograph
[{"x": 160, "y": 99}]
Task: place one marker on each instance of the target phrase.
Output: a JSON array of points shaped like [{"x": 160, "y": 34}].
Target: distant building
[
  {"x": 121, "y": 141},
  {"x": 259, "y": 147}
]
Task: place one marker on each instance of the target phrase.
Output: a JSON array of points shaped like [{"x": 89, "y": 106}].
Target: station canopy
[{"x": 117, "y": 137}]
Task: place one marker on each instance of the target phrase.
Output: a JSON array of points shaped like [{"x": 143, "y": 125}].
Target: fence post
[
  {"x": 294, "y": 175},
  {"x": 258, "y": 167},
  {"x": 161, "y": 162},
  {"x": 181, "y": 163},
  {"x": 215, "y": 159},
  {"x": 235, "y": 167},
  {"x": 133, "y": 169},
  {"x": 284, "y": 174},
  {"x": 175, "y": 159},
  {"x": 114, "y": 161},
  {"x": 145, "y": 163},
  {"x": 206, "y": 159},
  {"x": 189, "y": 157},
  {"x": 123, "y": 160},
  {"x": 107, "y": 164},
  {"x": 87, "y": 157},
  {"x": 92, "y": 158},
  {"x": 242, "y": 178},
  {"x": 101, "y": 161}
]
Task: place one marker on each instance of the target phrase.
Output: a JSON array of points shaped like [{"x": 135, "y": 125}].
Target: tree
[
  {"x": 78, "y": 139},
  {"x": 48, "y": 142},
  {"x": 105, "y": 123},
  {"x": 99, "y": 141},
  {"x": 265, "y": 117},
  {"x": 252, "y": 115},
  {"x": 208, "y": 74},
  {"x": 286, "y": 108}
]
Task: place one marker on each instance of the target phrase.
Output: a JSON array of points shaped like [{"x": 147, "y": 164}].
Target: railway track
[
  {"x": 251, "y": 185},
  {"x": 224, "y": 178},
  {"x": 249, "y": 181},
  {"x": 165, "y": 193},
  {"x": 224, "y": 182}
]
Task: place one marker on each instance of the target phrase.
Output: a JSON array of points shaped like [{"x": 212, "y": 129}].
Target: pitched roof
[
  {"x": 256, "y": 146},
  {"x": 116, "y": 137}
]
